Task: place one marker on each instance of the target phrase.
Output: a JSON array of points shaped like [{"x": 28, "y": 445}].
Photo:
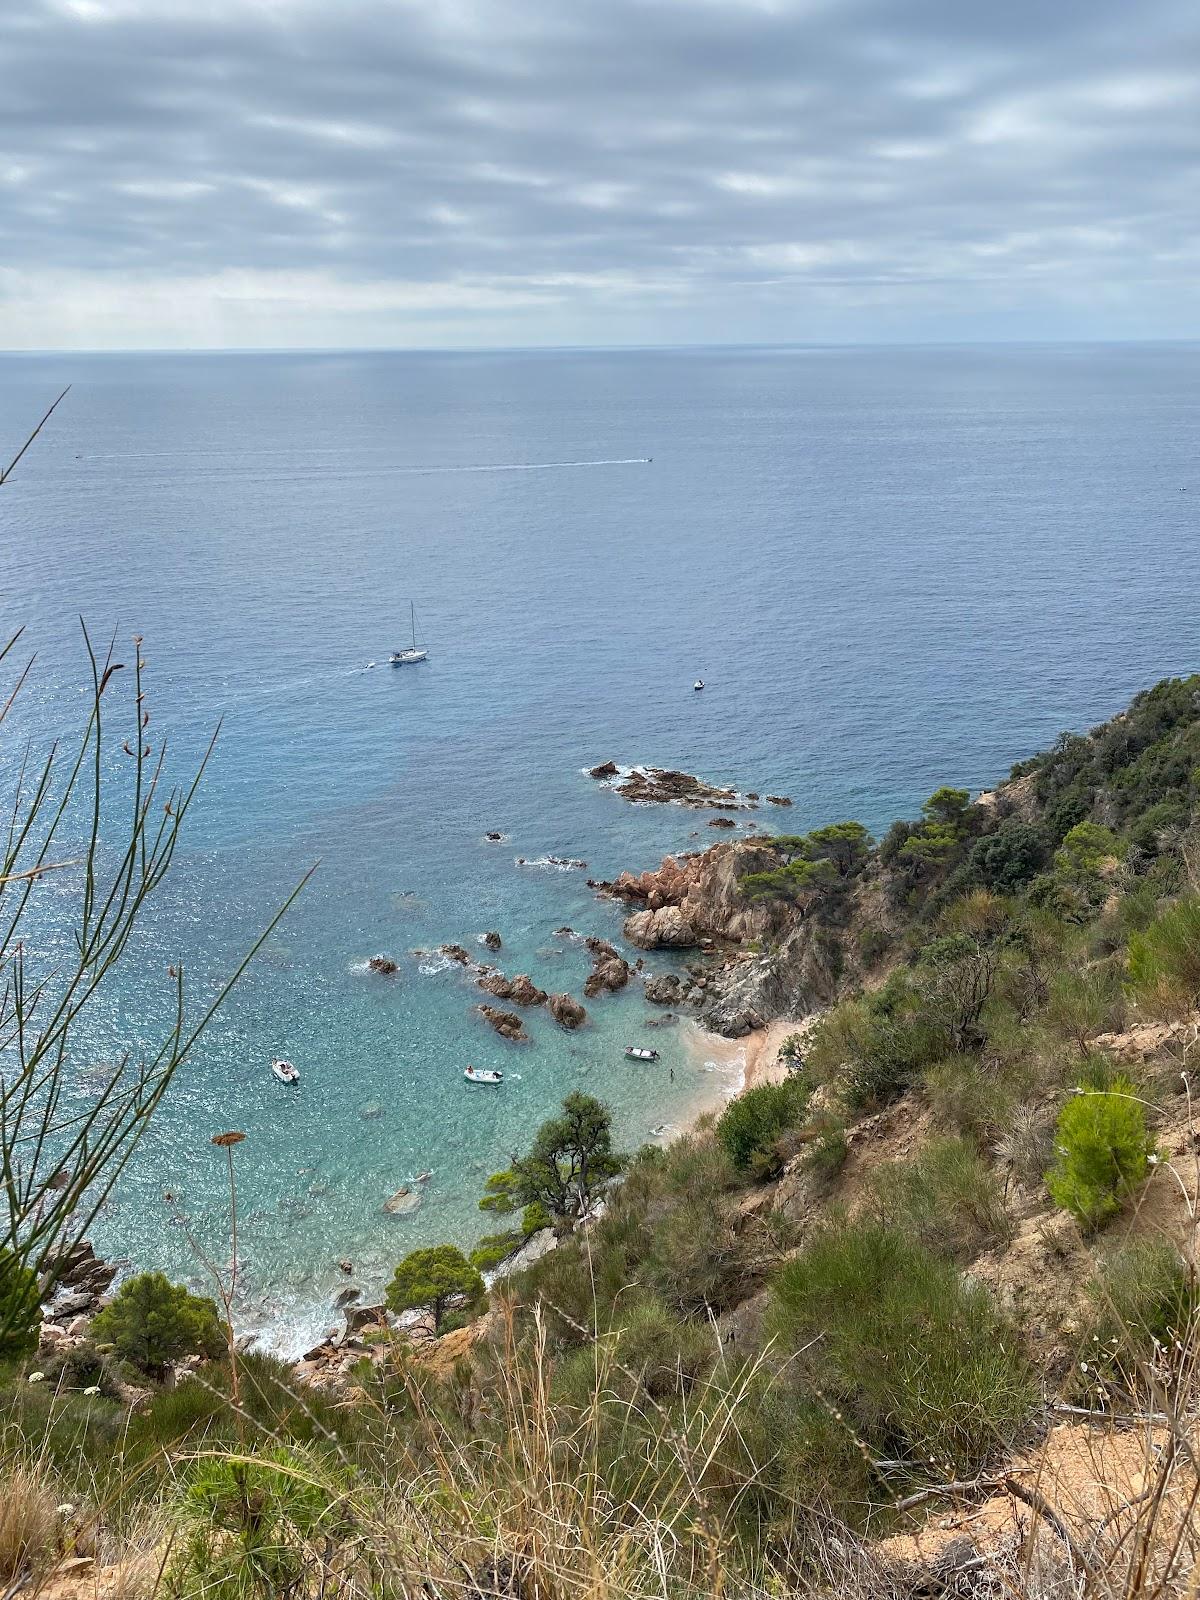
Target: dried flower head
[{"x": 224, "y": 1140}]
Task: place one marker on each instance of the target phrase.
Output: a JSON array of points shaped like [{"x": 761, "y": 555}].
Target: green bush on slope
[
  {"x": 1103, "y": 1150},
  {"x": 922, "y": 1365}
]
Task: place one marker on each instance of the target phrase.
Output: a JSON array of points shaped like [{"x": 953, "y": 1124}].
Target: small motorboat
[
  {"x": 482, "y": 1075},
  {"x": 637, "y": 1052},
  {"x": 698, "y": 685},
  {"x": 285, "y": 1072}
]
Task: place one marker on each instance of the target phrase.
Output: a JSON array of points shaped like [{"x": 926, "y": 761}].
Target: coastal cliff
[{"x": 928, "y": 1288}]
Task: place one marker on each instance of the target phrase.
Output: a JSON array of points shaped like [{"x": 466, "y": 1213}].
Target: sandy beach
[{"x": 739, "y": 1064}]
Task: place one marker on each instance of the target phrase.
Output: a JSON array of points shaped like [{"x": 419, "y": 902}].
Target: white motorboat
[
  {"x": 410, "y": 654},
  {"x": 637, "y": 1052},
  {"x": 285, "y": 1072},
  {"x": 698, "y": 685},
  {"x": 482, "y": 1075}
]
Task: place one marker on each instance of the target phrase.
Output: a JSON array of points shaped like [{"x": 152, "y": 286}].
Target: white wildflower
[
  {"x": 92, "y": 1388},
  {"x": 36, "y": 1377},
  {"x": 66, "y": 1509}
]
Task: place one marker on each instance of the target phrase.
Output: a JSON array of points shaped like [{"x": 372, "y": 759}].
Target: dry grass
[{"x": 28, "y": 1523}]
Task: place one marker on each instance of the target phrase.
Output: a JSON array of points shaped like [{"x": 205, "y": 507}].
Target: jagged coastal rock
[
  {"x": 610, "y": 970},
  {"x": 383, "y": 965},
  {"x": 566, "y": 1011},
  {"x": 663, "y": 929},
  {"x": 492, "y": 940},
  {"x": 521, "y": 990},
  {"x": 664, "y": 989},
  {"x": 696, "y": 901},
  {"x": 666, "y": 786},
  {"x": 506, "y": 1023}
]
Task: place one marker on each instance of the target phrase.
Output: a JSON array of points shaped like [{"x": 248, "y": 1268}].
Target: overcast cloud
[{"x": 375, "y": 172}]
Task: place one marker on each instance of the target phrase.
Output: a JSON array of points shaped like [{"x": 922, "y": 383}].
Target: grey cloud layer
[{"x": 598, "y": 168}]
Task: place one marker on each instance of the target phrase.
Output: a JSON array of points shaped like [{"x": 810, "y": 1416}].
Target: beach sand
[{"x": 739, "y": 1064}]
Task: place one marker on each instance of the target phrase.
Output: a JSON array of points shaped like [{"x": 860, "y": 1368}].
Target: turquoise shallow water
[{"x": 893, "y": 569}]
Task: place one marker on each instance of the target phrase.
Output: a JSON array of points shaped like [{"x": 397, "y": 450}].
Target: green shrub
[
  {"x": 922, "y": 1364},
  {"x": 1009, "y": 858},
  {"x": 1145, "y": 1303},
  {"x": 1103, "y": 1152},
  {"x": 827, "y": 1150},
  {"x": 875, "y": 1046},
  {"x": 1164, "y": 961},
  {"x": 260, "y": 1527},
  {"x": 668, "y": 1355},
  {"x": 153, "y": 1322},
  {"x": 873, "y": 944},
  {"x": 493, "y": 1248},
  {"x": 750, "y": 1125},
  {"x": 1081, "y": 1004},
  {"x": 968, "y": 1098},
  {"x": 946, "y": 1199},
  {"x": 20, "y": 1308}
]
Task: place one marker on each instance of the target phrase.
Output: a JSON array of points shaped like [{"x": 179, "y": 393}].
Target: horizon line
[{"x": 591, "y": 349}]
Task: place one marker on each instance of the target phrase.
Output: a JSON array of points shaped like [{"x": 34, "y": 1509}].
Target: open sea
[{"x": 893, "y": 568}]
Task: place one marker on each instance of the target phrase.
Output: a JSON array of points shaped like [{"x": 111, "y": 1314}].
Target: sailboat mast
[{"x": 412, "y": 606}]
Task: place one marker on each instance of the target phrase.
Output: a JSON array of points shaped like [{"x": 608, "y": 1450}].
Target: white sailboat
[{"x": 410, "y": 654}]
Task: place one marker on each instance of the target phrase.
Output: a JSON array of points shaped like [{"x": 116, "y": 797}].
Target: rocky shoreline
[{"x": 668, "y": 786}]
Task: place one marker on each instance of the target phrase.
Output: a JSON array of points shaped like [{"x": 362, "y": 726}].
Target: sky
[{"x": 378, "y": 173}]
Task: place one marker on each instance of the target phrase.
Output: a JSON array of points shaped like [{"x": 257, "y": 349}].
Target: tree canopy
[
  {"x": 153, "y": 1322},
  {"x": 436, "y": 1279},
  {"x": 570, "y": 1156}
]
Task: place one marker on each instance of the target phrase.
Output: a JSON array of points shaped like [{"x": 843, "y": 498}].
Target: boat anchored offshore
[
  {"x": 410, "y": 654},
  {"x": 285, "y": 1072},
  {"x": 637, "y": 1052},
  {"x": 698, "y": 685},
  {"x": 482, "y": 1075}
]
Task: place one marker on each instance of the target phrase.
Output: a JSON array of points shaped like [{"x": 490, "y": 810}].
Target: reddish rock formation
[
  {"x": 606, "y": 977},
  {"x": 506, "y": 1023},
  {"x": 382, "y": 964},
  {"x": 525, "y": 992},
  {"x": 566, "y": 1011}
]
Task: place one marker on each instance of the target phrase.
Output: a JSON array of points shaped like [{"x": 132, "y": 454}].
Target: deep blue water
[{"x": 893, "y": 568}]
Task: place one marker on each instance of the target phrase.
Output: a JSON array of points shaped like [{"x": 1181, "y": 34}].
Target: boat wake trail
[{"x": 423, "y": 469}]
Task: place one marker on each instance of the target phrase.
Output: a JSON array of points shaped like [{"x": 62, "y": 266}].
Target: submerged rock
[
  {"x": 403, "y": 1203},
  {"x": 455, "y": 952},
  {"x": 721, "y": 822},
  {"x": 779, "y": 799},
  {"x": 382, "y": 964}
]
